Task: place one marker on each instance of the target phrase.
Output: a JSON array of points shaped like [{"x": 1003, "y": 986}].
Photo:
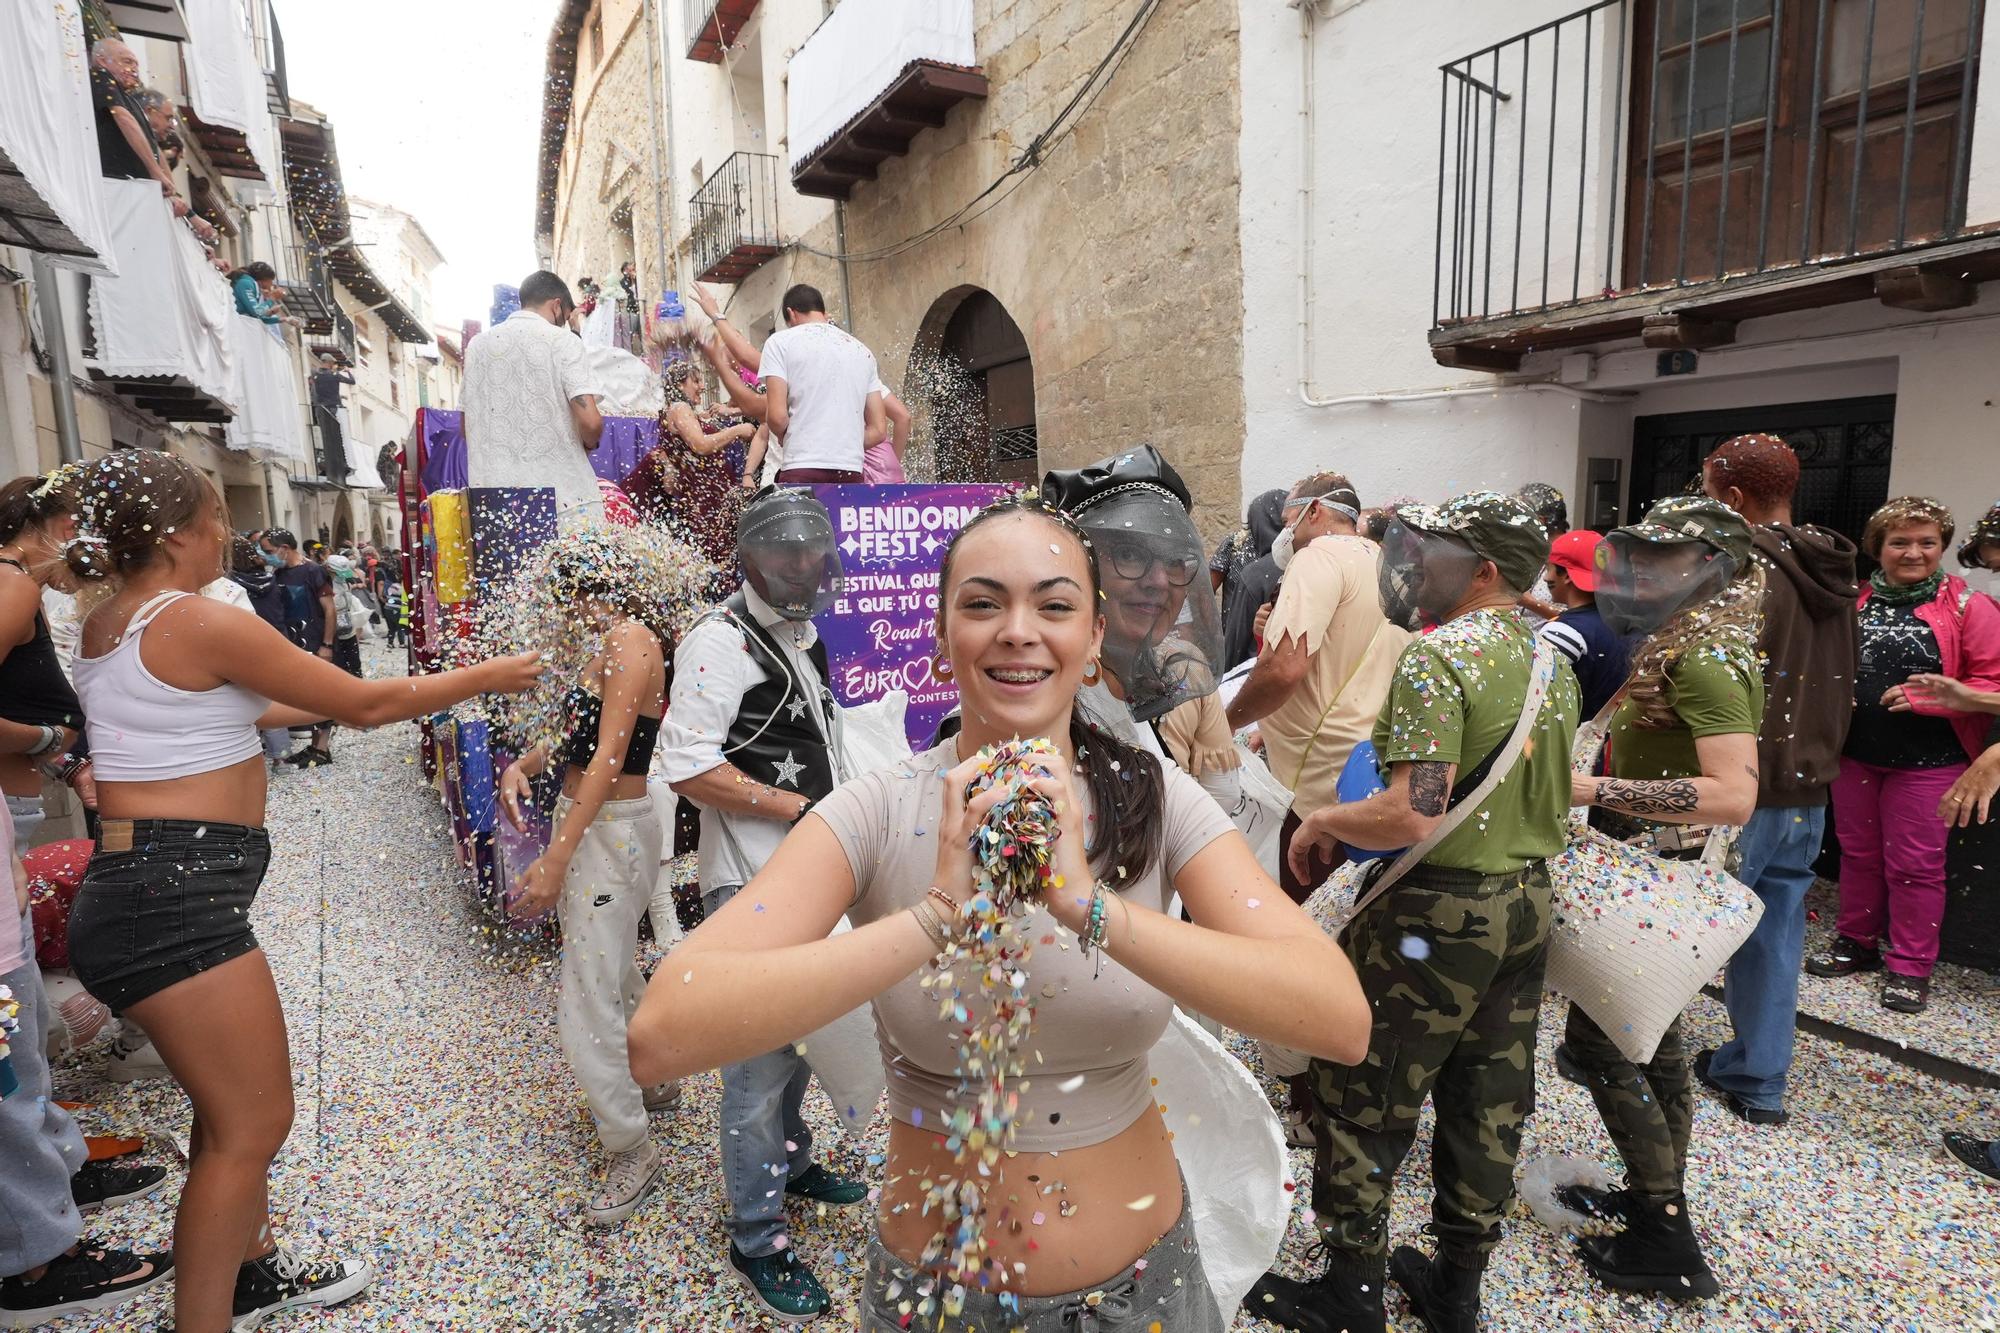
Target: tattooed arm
[
  {"x": 1724, "y": 792},
  {"x": 1402, "y": 813}
]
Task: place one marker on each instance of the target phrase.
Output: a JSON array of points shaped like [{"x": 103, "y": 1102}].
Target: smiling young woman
[{"x": 1019, "y": 631}]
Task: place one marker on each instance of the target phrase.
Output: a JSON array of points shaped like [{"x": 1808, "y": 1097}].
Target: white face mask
[{"x": 1284, "y": 547}]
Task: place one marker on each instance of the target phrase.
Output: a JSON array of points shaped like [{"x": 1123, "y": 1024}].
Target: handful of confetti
[
  {"x": 981, "y": 985},
  {"x": 10, "y": 1023}
]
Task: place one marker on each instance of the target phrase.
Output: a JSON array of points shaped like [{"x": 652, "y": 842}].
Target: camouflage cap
[
  {"x": 1695, "y": 518},
  {"x": 1498, "y": 527}
]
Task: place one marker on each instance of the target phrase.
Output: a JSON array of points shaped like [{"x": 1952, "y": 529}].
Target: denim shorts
[
  {"x": 1166, "y": 1288},
  {"x": 164, "y": 900}
]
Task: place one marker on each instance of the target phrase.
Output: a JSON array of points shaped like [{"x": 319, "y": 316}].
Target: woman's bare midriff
[
  {"x": 232, "y": 795},
  {"x": 1069, "y": 1219}
]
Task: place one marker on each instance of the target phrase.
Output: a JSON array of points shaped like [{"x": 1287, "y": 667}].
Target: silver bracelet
[{"x": 51, "y": 737}]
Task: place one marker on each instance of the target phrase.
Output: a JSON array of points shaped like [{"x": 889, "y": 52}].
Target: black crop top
[
  {"x": 581, "y": 744},
  {"x": 32, "y": 684}
]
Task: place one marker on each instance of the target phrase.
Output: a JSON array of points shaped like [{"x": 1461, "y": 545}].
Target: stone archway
[{"x": 973, "y": 379}]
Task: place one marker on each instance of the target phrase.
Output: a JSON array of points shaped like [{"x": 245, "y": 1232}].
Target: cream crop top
[
  {"x": 1098, "y": 1029},
  {"x": 142, "y": 729}
]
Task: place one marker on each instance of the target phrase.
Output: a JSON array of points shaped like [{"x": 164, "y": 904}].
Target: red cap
[{"x": 1575, "y": 552}]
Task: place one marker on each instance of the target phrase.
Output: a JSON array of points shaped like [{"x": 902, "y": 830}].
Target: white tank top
[{"x": 142, "y": 729}]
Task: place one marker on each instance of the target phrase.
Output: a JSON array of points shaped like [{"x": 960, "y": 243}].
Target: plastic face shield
[
  {"x": 1423, "y": 576},
  {"x": 1162, "y": 623},
  {"x": 789, "y": 557},
  {"x": 1641, "y": 584}
]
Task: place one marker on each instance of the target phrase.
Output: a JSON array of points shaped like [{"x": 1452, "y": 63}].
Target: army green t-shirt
[
  {"x": 1456, "y": 695},
  {"x": 1716, "y": 688}
]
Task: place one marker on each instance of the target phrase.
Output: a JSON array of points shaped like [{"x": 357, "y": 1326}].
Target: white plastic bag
[
  {"x": 846, "y": 1058},
  {"x": 870, "y": 735},
  {"x": 1232, "y": 1153},
  {"x": 1261, "y": 816}
]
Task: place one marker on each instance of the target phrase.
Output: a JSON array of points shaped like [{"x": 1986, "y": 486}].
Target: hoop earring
[
  {"x": 941, "y": 670},
  {"x": 1093, "y": 674}
]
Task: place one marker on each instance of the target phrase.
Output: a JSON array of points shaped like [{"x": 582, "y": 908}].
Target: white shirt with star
[{"x": 713, "y": 669}]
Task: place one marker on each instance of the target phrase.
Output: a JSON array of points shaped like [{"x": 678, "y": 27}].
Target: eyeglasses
[{"x": 1132, "y": 562}]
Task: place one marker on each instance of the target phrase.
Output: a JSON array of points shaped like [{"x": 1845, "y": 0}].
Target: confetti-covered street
[{"x": 440, "y": 1133}]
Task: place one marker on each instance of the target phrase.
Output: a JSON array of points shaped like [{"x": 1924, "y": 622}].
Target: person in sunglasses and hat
[
  {"x": 1683, "y": 745},
  {"x": 1452, "y": 954},
  {"x": 1162, "y": 658}
]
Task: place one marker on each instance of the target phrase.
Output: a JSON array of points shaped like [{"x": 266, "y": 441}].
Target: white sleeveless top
[{"x": 142, "y": 729}]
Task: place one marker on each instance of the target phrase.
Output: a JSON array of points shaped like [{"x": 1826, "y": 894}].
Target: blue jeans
[
  {"x": 1761, "y": 987},
  {"x": 765, "y": 1141}
]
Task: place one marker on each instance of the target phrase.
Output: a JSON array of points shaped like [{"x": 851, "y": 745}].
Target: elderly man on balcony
[{"x": 126, "y": 148}]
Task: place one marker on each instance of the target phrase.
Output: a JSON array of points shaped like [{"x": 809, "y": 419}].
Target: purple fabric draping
[
  {"x": 443, "y": 437},
  {"x": 625, "y": 441},
  {"x": 506, "y": 300}
]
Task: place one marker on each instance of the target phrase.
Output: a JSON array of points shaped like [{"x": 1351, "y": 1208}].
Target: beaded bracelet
[
  {"x": 948, "y": 908},
  {"x": 1095, "y": 927}
]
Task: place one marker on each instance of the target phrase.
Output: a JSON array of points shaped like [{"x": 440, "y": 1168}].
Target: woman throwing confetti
[
  {"x": 1026, "y": 1200},
  {"x": 161, "y": 926}
]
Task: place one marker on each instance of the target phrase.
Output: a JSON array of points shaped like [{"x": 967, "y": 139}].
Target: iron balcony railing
[
  {"x": 734, "y": 218},
  {"x": 1638, "y": 144}
]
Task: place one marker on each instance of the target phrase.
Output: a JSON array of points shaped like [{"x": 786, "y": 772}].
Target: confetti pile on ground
[{"x": 440, "y": 1134}]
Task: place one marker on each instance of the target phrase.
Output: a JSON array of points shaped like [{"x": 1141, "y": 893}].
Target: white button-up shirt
[
  {"x": 714, "y": 668},
  {"x": 519, "y": 379}
]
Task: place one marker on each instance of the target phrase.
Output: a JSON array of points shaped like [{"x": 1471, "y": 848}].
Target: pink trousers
[{"x": 1892, "y": 859}]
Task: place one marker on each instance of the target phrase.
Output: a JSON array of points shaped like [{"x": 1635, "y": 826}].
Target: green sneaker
[
  {"x": 783, "y": 1285},
  {"x": 822, "y": 1186}
]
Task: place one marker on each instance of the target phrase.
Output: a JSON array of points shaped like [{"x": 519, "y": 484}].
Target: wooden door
[{"x": 1745, "y": 116}]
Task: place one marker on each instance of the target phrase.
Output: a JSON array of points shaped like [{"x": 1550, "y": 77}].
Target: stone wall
[
  {"x": 607, "y": 162},
  {"x": 1119, "y": 258}
]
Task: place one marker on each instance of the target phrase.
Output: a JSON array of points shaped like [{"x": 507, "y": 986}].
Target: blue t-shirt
[{"x": 1602, "y": 660}]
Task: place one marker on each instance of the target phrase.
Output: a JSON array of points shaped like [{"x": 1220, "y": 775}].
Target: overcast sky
[{"x": 436, "y": 107}]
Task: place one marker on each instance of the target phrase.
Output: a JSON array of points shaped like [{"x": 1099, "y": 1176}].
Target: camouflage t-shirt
[{"x": 1456, "y": 695}]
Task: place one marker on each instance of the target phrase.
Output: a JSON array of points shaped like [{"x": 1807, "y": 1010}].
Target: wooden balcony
[
  {"x": 714, "y": 25},
  {"x": 918, "y": 99}
]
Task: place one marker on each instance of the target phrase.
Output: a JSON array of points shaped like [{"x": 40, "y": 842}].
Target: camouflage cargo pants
[
  {"x": 1452, "y": 964},
  {"x": 1648, "y": 1109}
]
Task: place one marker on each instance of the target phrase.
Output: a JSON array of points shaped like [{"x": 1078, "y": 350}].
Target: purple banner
[
  {"x": 881, "y": 632},
  {"x": 625, "y": 441},
  {"x": 441, "y": 435}
]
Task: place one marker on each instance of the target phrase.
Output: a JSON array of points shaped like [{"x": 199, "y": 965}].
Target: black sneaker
[
  {"x": 101, "y": 1185},
  {"x": 282, "y": 1281},
  {"x": 1844, "y": 958},
  {"x": 1979, "y": 1154},
  {"x": 1742, "y": 1110},
  {"x": 1599, "y": 1205},
  {"x": 1906, "y": 995},
  {"x": 89, "y": 1279},
  {"x": 310, "y": 757}
]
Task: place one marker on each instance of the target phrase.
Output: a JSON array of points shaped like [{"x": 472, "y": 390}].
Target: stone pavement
[{"x": 440, "y": 1134}]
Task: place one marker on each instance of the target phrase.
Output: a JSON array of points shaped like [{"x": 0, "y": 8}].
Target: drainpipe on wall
[
  {"x": 656, "y": 36},
  {"x": 55, "y": 337}
]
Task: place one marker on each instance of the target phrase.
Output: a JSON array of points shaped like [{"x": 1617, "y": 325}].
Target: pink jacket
[{"x": 1967, "y": 626}]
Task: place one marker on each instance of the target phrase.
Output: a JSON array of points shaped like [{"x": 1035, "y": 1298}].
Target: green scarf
[{"x": 1906, "y": 594}]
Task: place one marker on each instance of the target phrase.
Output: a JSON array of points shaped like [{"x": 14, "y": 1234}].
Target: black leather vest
[{"x": 775, "y": 739}]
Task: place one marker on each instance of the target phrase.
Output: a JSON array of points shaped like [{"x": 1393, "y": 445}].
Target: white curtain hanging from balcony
[
  {"x": 269, "y": 415},
  {"x": 166, "y": 315},
  {"x": 853, "y": 57},
  {"x": 226, "y": 81},
  {"x": 47, "y": 131}
]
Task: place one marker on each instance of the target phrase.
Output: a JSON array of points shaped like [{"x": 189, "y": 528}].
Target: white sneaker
[
  {"x": 628, "y": 1178},
  {"x": 662, "y": 1097},
  {"x": 132, "y": 1064},
  {"x": 1298, "y": 1129}
]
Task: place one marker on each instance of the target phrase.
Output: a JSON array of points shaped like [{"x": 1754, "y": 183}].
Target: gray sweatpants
[{"x": 39, "y": 1144}]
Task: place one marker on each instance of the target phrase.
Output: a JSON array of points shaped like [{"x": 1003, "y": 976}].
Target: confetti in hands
[{"x": 981, "y": 985}]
